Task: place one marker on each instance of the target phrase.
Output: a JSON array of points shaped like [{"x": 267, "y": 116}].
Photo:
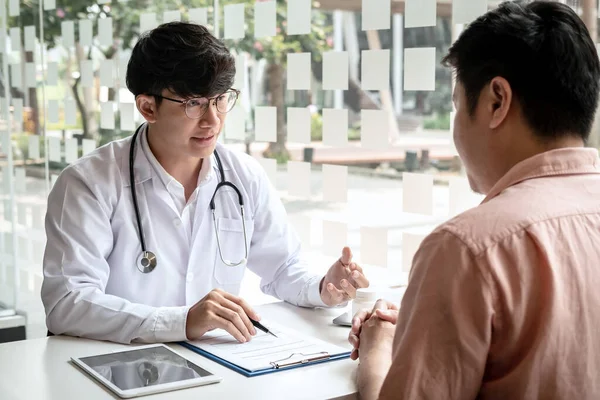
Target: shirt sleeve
[
  {"x": 79, "y": 240},
  {"x": 444, "y": 327},
  {"x": 275, "y": 252}
]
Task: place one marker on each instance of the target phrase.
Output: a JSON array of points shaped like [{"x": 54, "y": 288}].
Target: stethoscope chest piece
[{"x": 146, "y": 262}]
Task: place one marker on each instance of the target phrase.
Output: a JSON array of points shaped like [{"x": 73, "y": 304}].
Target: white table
[{"x": 40, "y": 369}]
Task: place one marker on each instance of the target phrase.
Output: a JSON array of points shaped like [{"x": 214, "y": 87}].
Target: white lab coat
[{"x": 92, "y": 286}]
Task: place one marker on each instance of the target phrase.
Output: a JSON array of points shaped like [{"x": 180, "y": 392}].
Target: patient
[{"x": 503, "y": 301}]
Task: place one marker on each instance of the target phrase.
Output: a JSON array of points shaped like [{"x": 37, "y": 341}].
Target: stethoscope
[
  {"x": 147, "y": 261},
  {"x": 148, "y": 373}
]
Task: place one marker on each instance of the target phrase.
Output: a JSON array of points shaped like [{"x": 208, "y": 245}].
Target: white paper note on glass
[
  {"x": 419, "y": 69},
  {"x": 70, "y": 112},
  {"x": 374, "y": 246},
  {"x": 376, "y": 14},
  {"x": 270, "y": 167},
  {"x": 298, "y": 71},
  {"x": 301, "y": 224},
  {"x": 335, "y": 127},
  {"x": 466, "y": 11},
  {"x": 417, "y": 193},
  {"x": 71, "y": 150},
  {"x": 198, "y": 15},
  {"x": 171, "y": 16},
  {"x": 147, "y": 22},
  {"x": 49, "y": 5},
  {"x": 126, "y": 114},
  {"x": 105, "y": 31},
  {"x": 240, "y": 71},
  {"x": 419, "y": 13},
  {"x": 265, "y": 19},
  {"x": 374, "y": 129},
  {"x": 4, "y": 106},
  {"x": 14, "y": 8},
  {"x": 87, "y": 146},
  {"x": 335, "y": 238},
  {"x": 18, "y": 114},
  {"x": 123, "y": 61},
  {"x": 15, "y": 39},
  {"x": 37, "y": 283},
  {"x": 107, "y": 73},
  {"x": 24, "y": 274},
  {"x": 52, "y": 115},
  {"x": 335, "y": 183},
  {"x": 235, "y": 124},
  {"x": 299, "y": 179},
  {"x": 37, "y": 216},
  {"x": 265, "y": 124},
  {"x": 30, "y": 78},
  {"x": 335, "y": 70},
  {"x": 30, "y": 38},
  {"x": 298, "y": 125},
  {"x": 234, "y": 21},
  {"x": 54, "y": 149},
  {"x": 6, "y": 188},
  {"x": 3, "y": 40},
  {"x": 462, "y": 198},
  {"x": 107, "y": 115},
  {"x": 52, "y": 74},
  {"x": 87, "y": 73},
  {"x": 34, "y": 147},
  {"x": 299, "y": 17},
  {"x": 410, "y": 245},
  {"x": 15, "y": 76},
  {"x": 20, "y": 185},
  {"x": 86, "y": 34},
  {"x": 21, "y": 207},
  {"x": 375, "y": 70},
  {"x": 68, "y": 33}
]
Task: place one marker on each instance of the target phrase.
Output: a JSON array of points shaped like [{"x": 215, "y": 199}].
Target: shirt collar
[
  {"x": 565, "y": 161},
  {"x": 164, "y": 176}
]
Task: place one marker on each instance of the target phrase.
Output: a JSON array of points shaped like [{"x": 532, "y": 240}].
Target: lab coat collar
[{"x": 143, "y": 170}]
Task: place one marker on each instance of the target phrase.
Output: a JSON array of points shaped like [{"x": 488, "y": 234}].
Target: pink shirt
[{"x": 503, "y": 301}]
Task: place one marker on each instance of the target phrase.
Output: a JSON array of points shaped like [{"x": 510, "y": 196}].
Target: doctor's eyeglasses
[{"x": 196, "y": 107}]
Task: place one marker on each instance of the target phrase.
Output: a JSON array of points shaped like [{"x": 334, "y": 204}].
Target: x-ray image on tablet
[{"x": 145, "y": 370}]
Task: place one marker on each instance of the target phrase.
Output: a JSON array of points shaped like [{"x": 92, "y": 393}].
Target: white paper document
[{"x": 265, "y": 351}]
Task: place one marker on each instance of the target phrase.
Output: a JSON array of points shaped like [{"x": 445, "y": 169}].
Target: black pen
[{"x": 260, "y": 326}]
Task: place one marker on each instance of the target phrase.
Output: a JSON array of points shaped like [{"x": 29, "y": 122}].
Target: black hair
[
  {"x": 182, "y": 57},
  {"x": 545, "y": 52}
]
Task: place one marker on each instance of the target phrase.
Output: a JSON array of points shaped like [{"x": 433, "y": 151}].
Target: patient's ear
[{"x": 500, "y": 97}]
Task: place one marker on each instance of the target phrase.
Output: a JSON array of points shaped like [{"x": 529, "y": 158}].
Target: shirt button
[
  {"x": 190, "y": 277},
  {"x": 177, "y": 222}
]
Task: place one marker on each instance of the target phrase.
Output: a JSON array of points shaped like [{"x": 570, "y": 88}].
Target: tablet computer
[{"x": 144, "y": 370}]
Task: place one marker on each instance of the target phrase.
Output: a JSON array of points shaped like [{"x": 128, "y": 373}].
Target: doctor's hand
[
  {"x": 342, "y": 280},
  {"x": 220, "y": 309},
  {"x": 384, "y": 311}
]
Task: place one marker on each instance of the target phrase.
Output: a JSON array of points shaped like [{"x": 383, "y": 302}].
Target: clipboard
[{"x": 277, "y": 365}]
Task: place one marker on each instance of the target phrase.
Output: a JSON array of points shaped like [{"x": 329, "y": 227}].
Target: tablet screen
[{"x": 145, "y": 367}]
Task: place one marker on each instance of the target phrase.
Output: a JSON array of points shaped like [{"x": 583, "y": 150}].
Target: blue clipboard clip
[{"x": 290, "y": 362}]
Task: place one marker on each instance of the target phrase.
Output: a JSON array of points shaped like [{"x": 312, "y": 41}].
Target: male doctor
[{"x": 157, "y": 252}]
